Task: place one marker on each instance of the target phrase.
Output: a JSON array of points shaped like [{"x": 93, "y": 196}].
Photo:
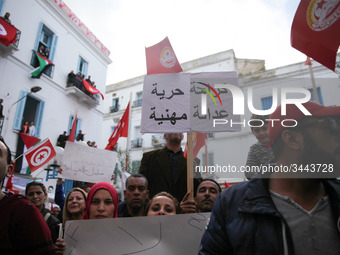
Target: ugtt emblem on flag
[{"x": 40, "y": 154}]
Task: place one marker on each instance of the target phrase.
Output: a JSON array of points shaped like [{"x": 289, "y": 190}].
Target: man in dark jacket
[
  {"x": 294, "y": 211},
  {"x": 136, "y": 195},
  {"x": 166, "y": 169},
  {"x": 23, "y": 229}
]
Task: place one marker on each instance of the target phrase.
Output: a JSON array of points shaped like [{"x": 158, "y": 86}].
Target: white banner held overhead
[
  {"x": 152, "y": 235},
  {"x": 84, "y": 163}
]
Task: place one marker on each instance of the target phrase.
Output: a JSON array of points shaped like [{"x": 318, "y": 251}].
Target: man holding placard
[{"x": 166, "y": 169}]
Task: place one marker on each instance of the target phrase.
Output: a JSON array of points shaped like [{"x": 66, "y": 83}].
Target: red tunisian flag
[
  {"x": 8, "y": 33},
  {"x": 91, "y": 89},
  {"x": 40, "y": 154},
  {"x": 198, "y": 143},
  {"x": 73, "y": 130},
  {"x": 120, "y": 131},
  {"x": 315, "y": 30},
  {"x": 161, "y": 58}
]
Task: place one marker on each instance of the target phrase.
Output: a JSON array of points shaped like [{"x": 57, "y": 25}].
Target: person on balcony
[
  {"x": 70, "y": 79},
  {"x": 6, "y": 17}
]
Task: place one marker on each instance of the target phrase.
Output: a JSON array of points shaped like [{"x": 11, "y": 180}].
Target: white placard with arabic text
[
  {"x": 84, "y": 163},
  {"x": 173, "y": 103},
  {"x": 166, "y": 103}
]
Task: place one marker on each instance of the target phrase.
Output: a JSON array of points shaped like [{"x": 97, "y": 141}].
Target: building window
[
  {"x": 47, "y": 41},
  {"x": 319, "y": 94},
  {"x": 29, "y": 108},
  {"x": 82, "y": 66},
  {"x": 210, "y": 159},
  {"x": 135, "y": 166},
  {"x": 266, "y": 102},
  {"x": 115, "y": 105},
  {"x": 137, "y": 143},
  {"x": 78, "y": 125},
  {"x": 139, "y": 99},
  {"x": 210, "y": 135},
  {"x": 1, "y": 7}
]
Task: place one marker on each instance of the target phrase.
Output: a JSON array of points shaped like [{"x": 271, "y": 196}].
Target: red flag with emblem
[
  {"x": 28, "y": 141},
  {"x": 40, "y": 154},
  {"x": 161, "y": 58},
  {"x": 120, "y": 131},
  {"x": 91, "y": 89},
  {"x": 8, "y": 33},
  {"x": 315, "y": 30}
]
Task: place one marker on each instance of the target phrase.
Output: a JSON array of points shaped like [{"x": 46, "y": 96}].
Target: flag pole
[
  {"x": 315, "y": 91},
  {"x": 206, "y": 158},
  {"x": 190, "y": 180},
  {"x": 128, "y": 140}
]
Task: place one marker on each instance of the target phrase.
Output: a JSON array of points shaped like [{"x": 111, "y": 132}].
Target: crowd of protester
[
  {"x": 267, "y": 214},
  {"x": 77, "y": 81}
]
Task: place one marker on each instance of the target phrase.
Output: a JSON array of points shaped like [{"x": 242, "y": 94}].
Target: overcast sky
[{"x": 254, "y": 29}]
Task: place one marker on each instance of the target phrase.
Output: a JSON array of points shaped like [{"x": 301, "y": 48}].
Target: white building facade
[
  {"x": 226, "y": 152},
  {"x": 72, "y": 47}
]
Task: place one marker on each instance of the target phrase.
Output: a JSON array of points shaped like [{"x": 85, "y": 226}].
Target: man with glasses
[
  {"x": 294, "y": 209},
  {"x": 136, "y": 195},
  {"x": 23, "y": 229}
]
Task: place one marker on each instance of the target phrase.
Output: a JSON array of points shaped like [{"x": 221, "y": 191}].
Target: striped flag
[{"x": 44, "y": 63}]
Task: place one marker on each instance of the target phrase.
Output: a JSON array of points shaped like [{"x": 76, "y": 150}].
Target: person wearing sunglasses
[
  {"x": 295, "y": 207},
  {"x": 36, "y": 192},
  {"x": 23, "y": 229}
]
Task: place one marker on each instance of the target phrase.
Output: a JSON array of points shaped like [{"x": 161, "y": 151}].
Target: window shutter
[
  {"x": 70, "y": 120},
  {"x": 37, "y": 40},
  {"x": 266, "y": 102},
  {"x": 1, "y": 6},
  {"x": 78, "y": 127},
  {"x": 53, "y": 47},
  {"x": 20, "y": 111},
  {"x": 38, "y": 119}
]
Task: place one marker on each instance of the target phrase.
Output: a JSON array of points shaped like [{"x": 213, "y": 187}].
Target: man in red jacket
[{"x": 23, "y": 229}]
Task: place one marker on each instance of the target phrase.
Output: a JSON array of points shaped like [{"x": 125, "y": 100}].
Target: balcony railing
[
  {"x": 114, "y": 108},
  {"x": 158, "y": 141},
  {"x": 77, "y": 89},
  {"x": 16, "y": 44},
  {"x": 137, "y": 143},
  {"x": 137, "y": 103}
]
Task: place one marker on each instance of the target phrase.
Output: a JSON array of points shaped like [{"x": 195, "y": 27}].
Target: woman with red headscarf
[{"x": 102, "y": 202}]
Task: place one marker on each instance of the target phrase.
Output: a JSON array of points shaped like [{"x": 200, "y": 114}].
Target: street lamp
[{"x": 34, "y": 89}]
